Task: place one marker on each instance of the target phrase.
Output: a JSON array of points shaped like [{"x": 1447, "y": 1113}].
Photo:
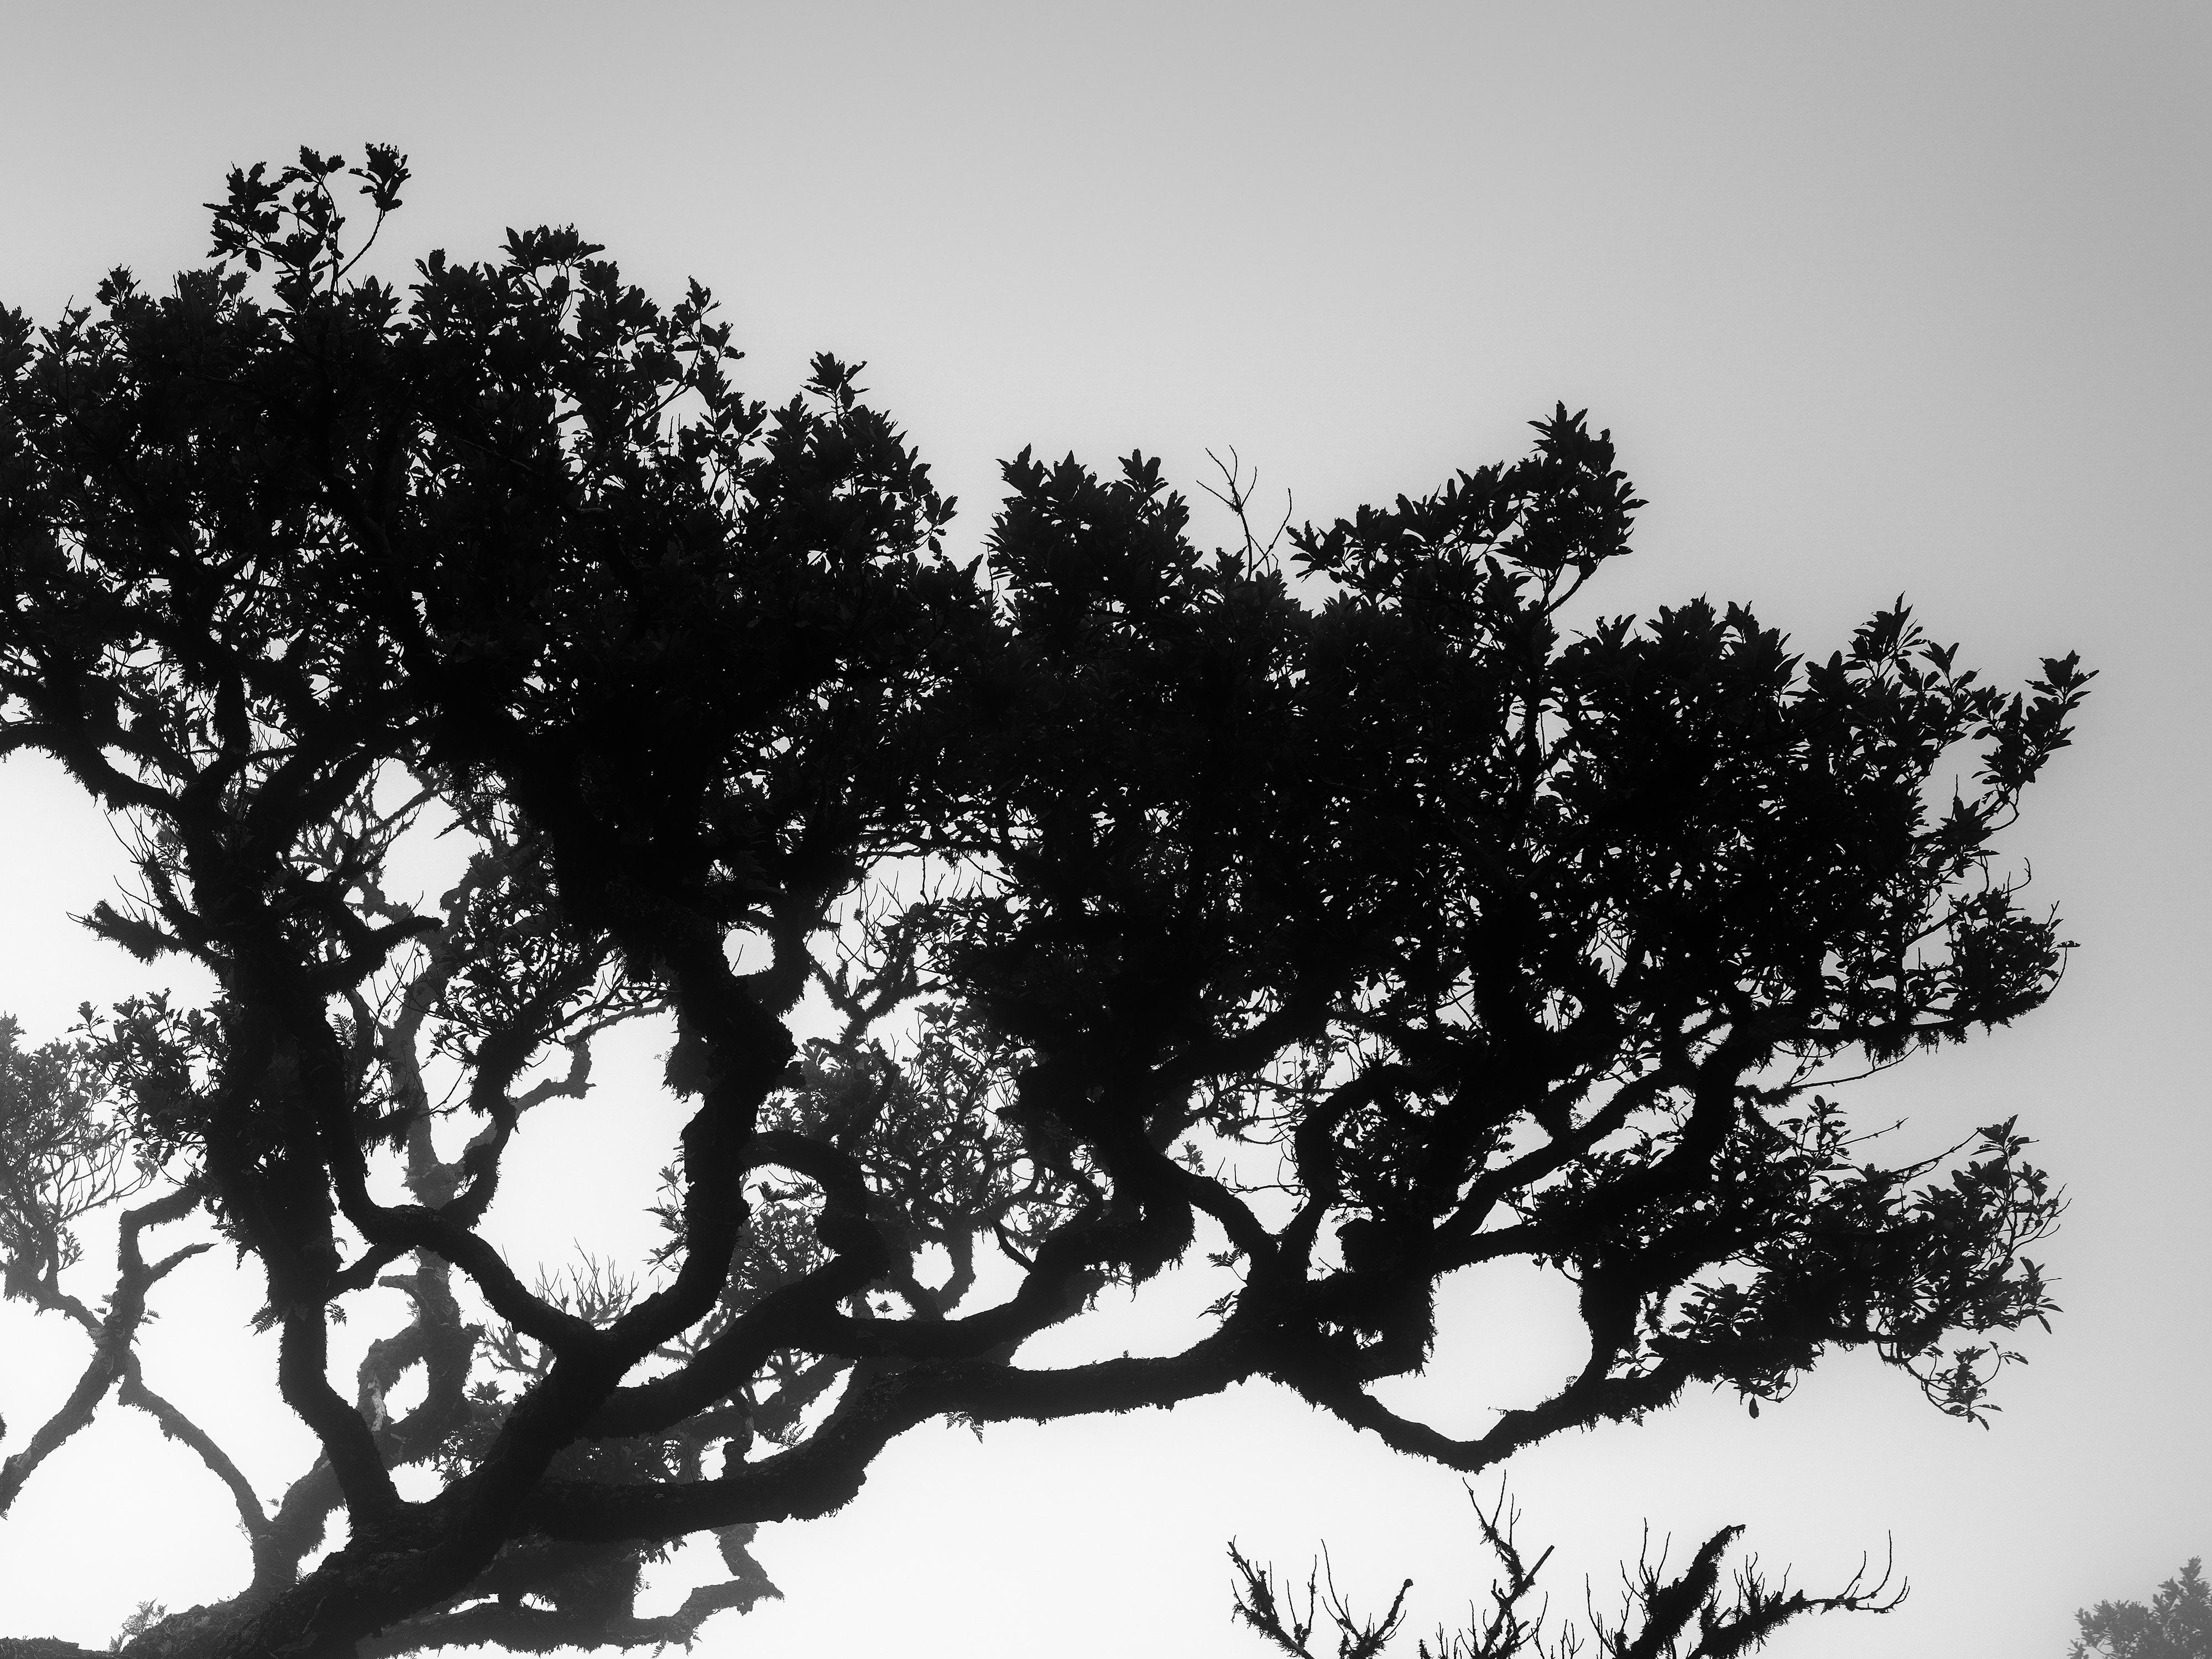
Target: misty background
[{"x": 1875, "y": 299}]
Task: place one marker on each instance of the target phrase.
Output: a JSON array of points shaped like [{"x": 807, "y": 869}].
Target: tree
[
  {"x": 2176, "y": 1625},
  {"x": 1685, "y": 1617},
  {"x": 1017, "y": 930}
]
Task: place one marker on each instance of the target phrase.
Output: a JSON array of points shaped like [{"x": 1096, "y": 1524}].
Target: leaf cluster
[
  {"x": 2176, "y": 1625},
  {"x": 1013, "y": 924}
]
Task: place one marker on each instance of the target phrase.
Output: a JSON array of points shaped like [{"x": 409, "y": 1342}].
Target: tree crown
[{"x": 1016, "y": 923}]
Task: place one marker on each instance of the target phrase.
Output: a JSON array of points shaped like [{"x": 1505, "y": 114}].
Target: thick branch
[{"x": 826, "y": 1469}]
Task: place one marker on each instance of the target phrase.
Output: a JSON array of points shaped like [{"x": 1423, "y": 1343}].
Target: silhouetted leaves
[
  {"x": 1693, "y": 1615},
  {"x": 1367, "y": 913},
  {"x": 2176, "y": 1625}
]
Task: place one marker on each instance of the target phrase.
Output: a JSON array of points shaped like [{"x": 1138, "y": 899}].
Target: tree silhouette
[
  {"x": 1017, "y": 929},
  {"x": 2176, "y": 1625},
  {"x": 1683, "y": 1618}
]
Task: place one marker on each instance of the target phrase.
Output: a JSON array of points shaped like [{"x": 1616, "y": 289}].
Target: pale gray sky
[{"x": 1875, "y": 298}]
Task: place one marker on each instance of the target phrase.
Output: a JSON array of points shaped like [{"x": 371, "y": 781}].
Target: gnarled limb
[{"x": 113, "y": 1360}]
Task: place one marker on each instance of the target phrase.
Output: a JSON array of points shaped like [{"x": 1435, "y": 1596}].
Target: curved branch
[
  {"x": 179, "y": 1427},
  {"x": 826, "y": 1469},
  {"x": 113, "y": 1359}
]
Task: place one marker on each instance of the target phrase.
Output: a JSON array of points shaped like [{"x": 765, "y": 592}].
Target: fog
[{"x": 1874, "y": 300}]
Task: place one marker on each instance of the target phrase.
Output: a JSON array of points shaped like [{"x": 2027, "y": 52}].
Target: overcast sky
[{"x": 1875, "y": 298}]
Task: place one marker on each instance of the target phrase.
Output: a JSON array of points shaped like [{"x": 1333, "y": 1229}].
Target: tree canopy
[
  {"x": 1020, "y": 927},
  {"x": 2176, "y": 1625}
]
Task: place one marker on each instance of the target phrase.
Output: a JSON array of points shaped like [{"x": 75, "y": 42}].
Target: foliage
[
  {"x": 2176, "y": 1625},
  {"x": 1013, "y": 925},
  {"x": 1681, "y": 1618}
]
